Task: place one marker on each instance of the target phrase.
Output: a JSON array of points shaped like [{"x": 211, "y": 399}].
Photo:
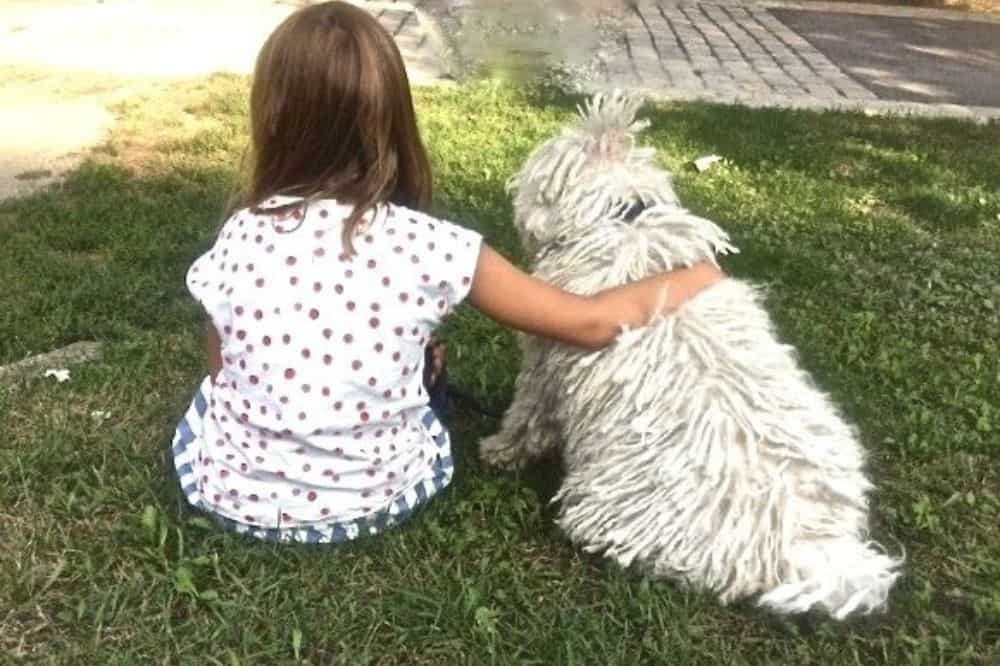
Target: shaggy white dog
[{"x": 696, "y": 447}]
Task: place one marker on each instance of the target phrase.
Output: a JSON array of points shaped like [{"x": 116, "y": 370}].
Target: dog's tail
[{"x": 841, "y": 576}]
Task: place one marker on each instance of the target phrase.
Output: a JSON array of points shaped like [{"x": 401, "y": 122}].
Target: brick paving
[
  {"x": 738, "y": 52},
  {"x": 725, "y": 53}
]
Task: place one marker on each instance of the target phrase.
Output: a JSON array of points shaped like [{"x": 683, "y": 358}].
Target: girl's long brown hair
[{"x": 331, "y": 116}]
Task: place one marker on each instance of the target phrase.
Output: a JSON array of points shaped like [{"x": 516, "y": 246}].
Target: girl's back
[{"x": 318, "y": 410}]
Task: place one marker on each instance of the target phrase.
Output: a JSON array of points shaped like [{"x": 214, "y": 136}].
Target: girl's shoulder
[
  {"x": 442, "y": 254},
  {"x": 416, "y": 222},
  {"x": 281, "y": 216}
]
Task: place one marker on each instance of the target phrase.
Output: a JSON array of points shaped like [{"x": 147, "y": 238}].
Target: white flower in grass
[{"x": 61, "y": 375}]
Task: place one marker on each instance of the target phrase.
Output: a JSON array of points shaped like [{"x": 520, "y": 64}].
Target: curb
[
  {"x": 879, "y": 10},
  {"x": 980, "y": 115}
]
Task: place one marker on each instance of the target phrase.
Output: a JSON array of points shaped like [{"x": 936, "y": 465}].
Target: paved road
[{"x": 922, "y": 60}]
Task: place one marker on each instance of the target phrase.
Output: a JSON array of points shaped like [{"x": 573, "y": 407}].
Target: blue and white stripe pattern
[{"x": 189, "y": 429}]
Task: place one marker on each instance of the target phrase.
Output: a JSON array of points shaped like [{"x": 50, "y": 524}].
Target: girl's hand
[
  {"x": 513, "y": 298},
  {"x": 434, "y": 359},
  {"x": 213, "y": 350}
]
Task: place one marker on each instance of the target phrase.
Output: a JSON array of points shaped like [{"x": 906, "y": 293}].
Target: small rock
[{"x": 52, "y": 362}]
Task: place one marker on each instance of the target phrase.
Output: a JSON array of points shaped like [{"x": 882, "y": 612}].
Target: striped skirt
[{"x": 184, "y": 450}]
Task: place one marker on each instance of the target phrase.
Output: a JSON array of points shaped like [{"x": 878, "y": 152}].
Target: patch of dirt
[
  {"x": 47, "y": 117},
  {"x": 180, "y": 112}
]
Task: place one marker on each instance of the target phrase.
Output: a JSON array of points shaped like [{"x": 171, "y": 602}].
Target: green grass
[{"x": 879, "y": 240}]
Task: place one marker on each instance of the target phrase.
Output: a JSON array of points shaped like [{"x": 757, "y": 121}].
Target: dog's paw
[{"x": 498, "y": 451}]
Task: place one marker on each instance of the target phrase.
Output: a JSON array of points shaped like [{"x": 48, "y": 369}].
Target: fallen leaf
[{"x": 706, "y": 161}]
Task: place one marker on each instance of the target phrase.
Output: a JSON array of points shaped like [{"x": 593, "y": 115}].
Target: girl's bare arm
[{"x": 513, "y": 298}]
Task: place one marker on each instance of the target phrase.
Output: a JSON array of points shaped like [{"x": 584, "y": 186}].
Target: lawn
[{"x": 879, "y": 239}]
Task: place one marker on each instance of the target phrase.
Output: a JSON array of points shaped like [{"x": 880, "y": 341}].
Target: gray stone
[{"x": 35, "y": 366}]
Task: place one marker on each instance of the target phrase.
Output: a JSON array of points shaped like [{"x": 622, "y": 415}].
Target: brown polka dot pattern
[{"x": 288, "y": 301}]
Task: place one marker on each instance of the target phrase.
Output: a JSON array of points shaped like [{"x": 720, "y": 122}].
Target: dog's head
[
  {"x": 593, "y": 178},
  {"x": 593, "y": 170}
]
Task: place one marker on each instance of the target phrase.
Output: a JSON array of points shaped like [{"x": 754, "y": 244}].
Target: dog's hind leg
[{"x": 530, "y": 428}]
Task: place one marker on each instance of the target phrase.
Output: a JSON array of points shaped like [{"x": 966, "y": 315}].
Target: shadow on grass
[{"x": 102, "y": 256}]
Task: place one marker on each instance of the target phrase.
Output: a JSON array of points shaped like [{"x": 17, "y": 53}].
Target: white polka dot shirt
[{"x": 317, "y": 413}]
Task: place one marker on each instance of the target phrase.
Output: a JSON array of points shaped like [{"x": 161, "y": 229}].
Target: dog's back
[
  {"x": 699, "y": 449},
  {"x": 695, "y": 447}
]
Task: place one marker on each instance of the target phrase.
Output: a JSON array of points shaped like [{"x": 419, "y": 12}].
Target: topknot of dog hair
[
  {"x": 610, "y": 111},
  {"x": 608, "y": 126}
]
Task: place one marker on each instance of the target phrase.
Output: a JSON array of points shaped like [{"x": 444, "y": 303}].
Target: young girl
[{"x": 324, "y": 287}]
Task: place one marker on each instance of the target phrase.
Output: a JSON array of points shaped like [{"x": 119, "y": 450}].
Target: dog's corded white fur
[{"x": 695, "y": 448}]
